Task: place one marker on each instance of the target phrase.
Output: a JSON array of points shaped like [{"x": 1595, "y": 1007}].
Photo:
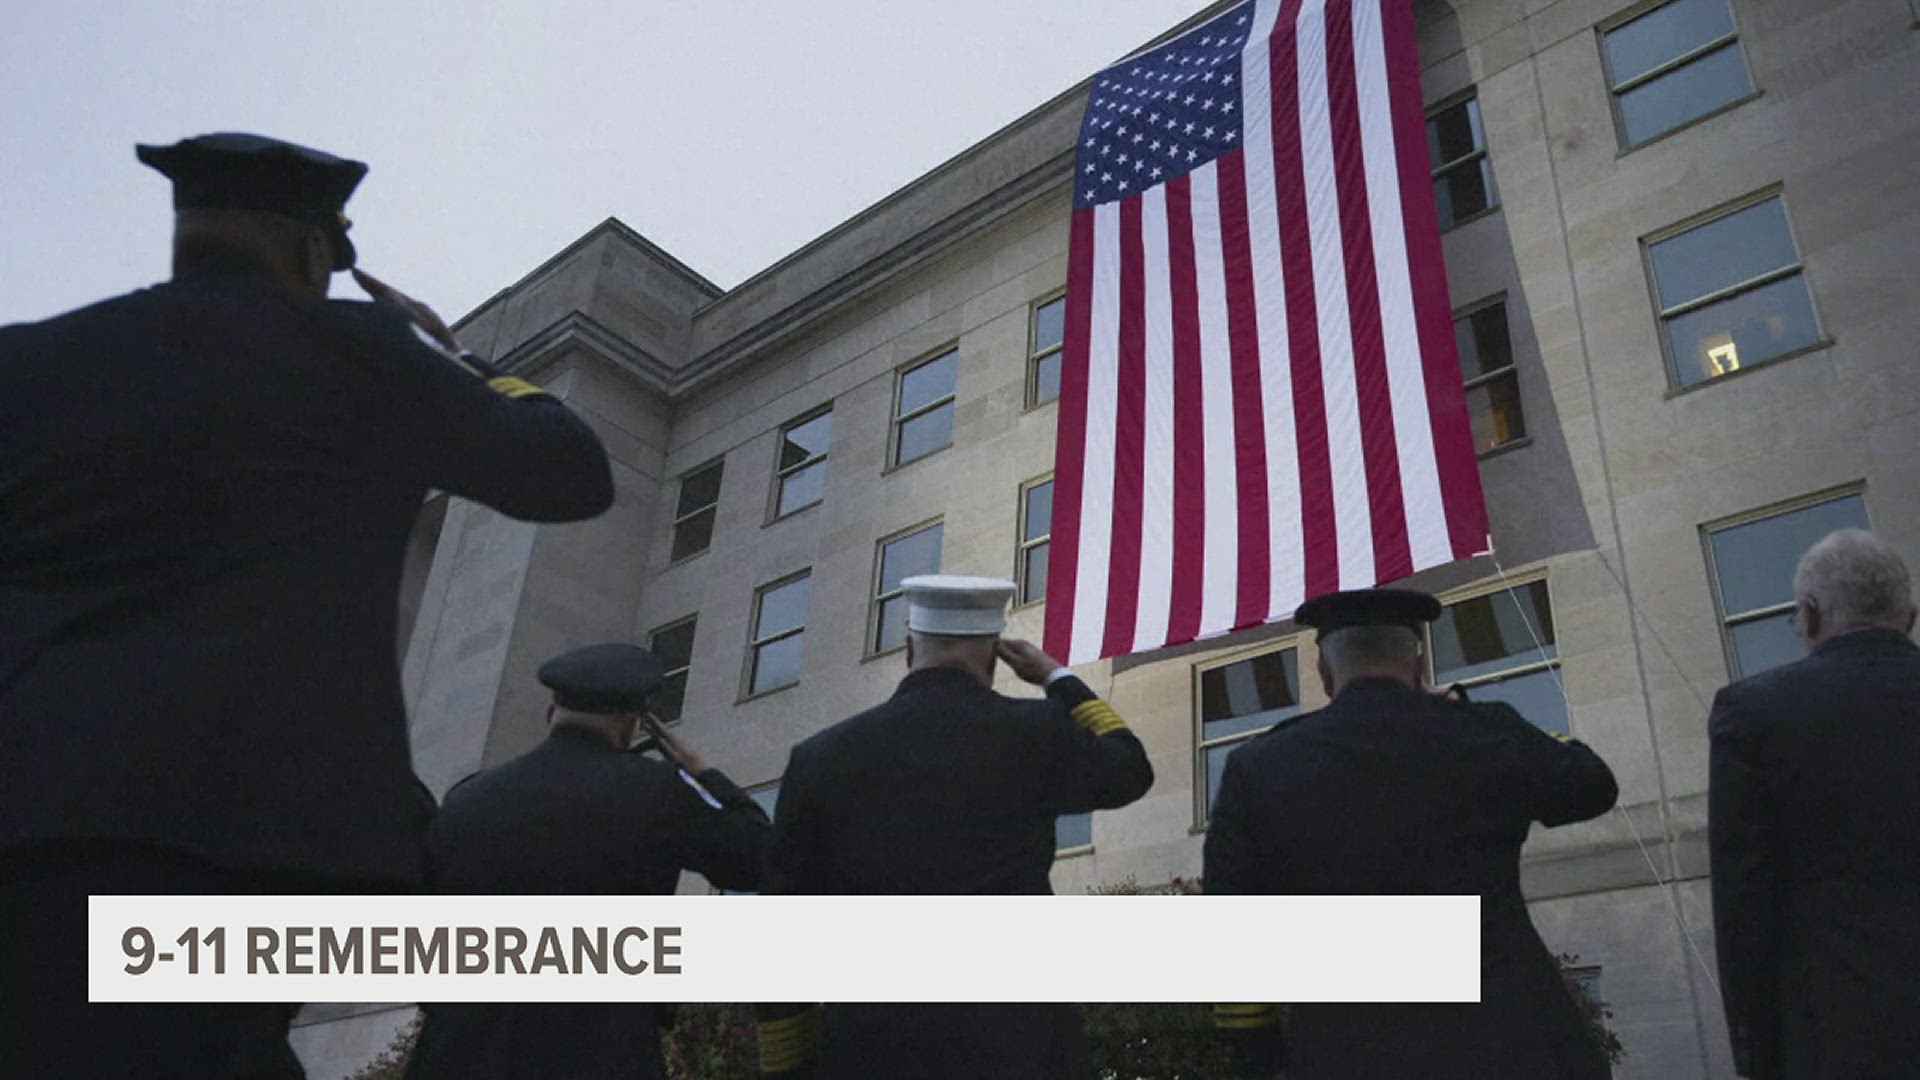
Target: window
[
  {"x": 1673, "y": 65},
  {"x": 901, "y": 557},
  {"x": 673, "y": 644},
  {"x": 1500, "y": 645},
  {"x": 779, "y": 626},
  {"x": 1731, "y": 294},
  {"x": 1462, "y": 175},
  {"x": 693, "y": 517},
  {"x": 800, "y": 476},
  {"x": 1073, "y": 833},
  {"x": 923, "y": 412},
  {"x": 1036, "y": 527},
  {"x": 1493, "y": 387},
  {"x": 1752, "y": 563},
  {"x": 1239, "y": 700},
  {"x": 1043, "y": 353}
]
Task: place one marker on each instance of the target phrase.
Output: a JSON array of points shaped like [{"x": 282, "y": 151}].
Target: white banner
[{"x": 783, "y": 948}]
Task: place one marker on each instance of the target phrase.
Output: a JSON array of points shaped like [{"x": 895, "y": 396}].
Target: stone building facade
[{"x": 1680, "y": 246}]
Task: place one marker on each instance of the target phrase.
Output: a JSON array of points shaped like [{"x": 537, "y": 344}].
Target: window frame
[
  {"x": 755, "y": 641},
  {"x": 1728, "y": 620},
  {"x": 1616, "y": 88},
  {"x": 1480, "y": 153},
  {"x": 1510, "y": 582},
  {"x": 1023, "y": 544},
  {"x": 673, "y": 533},
  {"x": 1664, "y": 316},
  {"x": 900, "y": 419},
  {"x": 1201, "y": 744},
  {"x": 1035, "y": 354},
  {"x": 876, "y": 599},
  {"x": 685, "y": 669},
  {"x": 1512, "y": 370},
  {"x": 782, "y": 474}
]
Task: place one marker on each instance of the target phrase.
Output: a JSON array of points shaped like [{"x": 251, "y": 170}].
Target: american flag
[{"x": 1260, "y": 397}]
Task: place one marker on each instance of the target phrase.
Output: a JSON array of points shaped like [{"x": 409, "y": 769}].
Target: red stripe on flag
[
  {"x": 1070, "y": 456},
  {"x": 1319, "y": 542},
  {"x": 1129, "y": 452},
  {"x": 1249, "y": 422},
  {"x": 1189, "y": 420},
  {"x": 1392, "y": 559},
  {"x": 1453, "y": 451}
]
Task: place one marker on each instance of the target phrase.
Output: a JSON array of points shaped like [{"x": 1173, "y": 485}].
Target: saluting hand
[
  {"x": 422, "y": 315},
  {"x": 1026, "y": 659},
  {"x": 670, "y": 744}
]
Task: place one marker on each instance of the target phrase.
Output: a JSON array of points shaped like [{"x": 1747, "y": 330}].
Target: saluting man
[
  {"x": 1392, "y": 789},
  {"x": 206, "y": 493},
  {"x": 580, "y": 815},
  {"x": 946, "y": 788}
]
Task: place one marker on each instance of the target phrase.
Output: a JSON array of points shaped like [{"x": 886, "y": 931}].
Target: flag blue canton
[{"x": 1163, "y": 113}]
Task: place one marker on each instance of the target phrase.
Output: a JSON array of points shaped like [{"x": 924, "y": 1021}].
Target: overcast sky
[{"x": 729, "y": 134}]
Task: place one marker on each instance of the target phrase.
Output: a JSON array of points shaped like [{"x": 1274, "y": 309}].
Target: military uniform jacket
[
  {"x": 1814, "y": 811},
  {"x": 949, "y": 788},
  {"x": 206, "y": 492},
  {"x": 1391, "y": 790},
  {"x": 575, "y": 816}
]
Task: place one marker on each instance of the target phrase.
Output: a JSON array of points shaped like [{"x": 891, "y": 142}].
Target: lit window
[
  {"x": 1753, "y": 561},
  {"x": 1731, "y": 293},
  {"x": 900, "y": 557},
  {"x": 800, "y": 478},
  {"x": 1501, "y": 647},
  {"x": 923, "y": 412},
  {"x": 1239, "y": 700},
  {"x": 1036, "y": 529},
  {"x": 1073, "y": 832},
  {"x": 693, "y": 516},
  {"x": 1493, "y": 386},
  {"x": 1043, "y": 354},
  {"x": 779, "y": 627},
  {"x": 1462, "y": 175},
  {"x": 1673, "y": 65},
  {"x": 673, "y": 644}
]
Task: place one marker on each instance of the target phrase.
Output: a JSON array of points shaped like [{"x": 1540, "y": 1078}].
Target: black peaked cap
[
  {"x": 1368, "y": 607},
  {"x": 611, "y": 678}
]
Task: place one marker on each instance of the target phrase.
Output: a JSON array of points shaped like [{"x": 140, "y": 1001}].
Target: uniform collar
[
  {"x": 1374, "y": 682},
  {"x": 577, "y": 736},
  {"x": 936, "y": 678},
  {"x": 1872, "y": 639},
  {"x": 205, "y": 269}
]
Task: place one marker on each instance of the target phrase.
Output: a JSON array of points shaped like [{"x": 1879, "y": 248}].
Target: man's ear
[
  {"x": 551, "y": 709},
  {"x": 1910, "y": 617},
  {"x": 1809, "y": 618},
  {"x": 1326, "y": 675}
]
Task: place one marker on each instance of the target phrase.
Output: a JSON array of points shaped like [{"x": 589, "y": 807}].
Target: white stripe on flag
[
  {"x": 1156, "y": 496},
  {"x": 1096, "y": 494},
  {"x": 1219, "y": 595},
  {"x": 1353, "y": 519}
]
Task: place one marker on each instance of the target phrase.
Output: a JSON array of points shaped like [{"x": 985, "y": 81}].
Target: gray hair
[
  {"x": 1855, "y": 579},
  {"x": 1365, "y": 646}
]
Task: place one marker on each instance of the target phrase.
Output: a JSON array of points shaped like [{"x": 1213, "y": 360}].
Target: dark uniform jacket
[
  {"x": 948, "y": 788},
  {"x": 1815, "y": 824},
  {"x": 1391, "y": 790},
  {"x": 576, "y": 816},
  {"x": 206, "y": 491}
]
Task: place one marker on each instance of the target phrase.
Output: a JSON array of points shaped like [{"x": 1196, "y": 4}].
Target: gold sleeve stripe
[
  {"x": 1243, "y": 1017},
  {"x": 788, "y": 1043},
  {"x": 512, "y": 387},
  {"x": 1097, "y": 716}
]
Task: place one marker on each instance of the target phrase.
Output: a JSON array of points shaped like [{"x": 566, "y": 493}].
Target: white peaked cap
[{"x": 955, "y": 606}]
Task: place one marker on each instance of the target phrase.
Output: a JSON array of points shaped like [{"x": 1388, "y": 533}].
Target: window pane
[
  {"x": 1755, "y": 561},
  {"x": 928, "y": 383},
  {"x": 1454, "y": 133},
  {"x": 1046, "y": 379},
  {"x": 1049, "y": 324},
  {"x": 1072, "y": 830},
  {"x": 783, "y": 608},
  {"x": 890, "y": 631},
  {"x": 1665, "y": 34},
  {"x": 1724, "y": 252},
  {"x": 1464, "y": 191},
  {"x": 1249, "y": 695},
  {"x": 1035, "y": 586},
  {"x": 699, "y": 489},
  {"x": 925, "y": 433},
  {"x": 1492, "y": 632},
  {"x": 1216, "y": 763},
  {"x": 1039, "y": 515},
  {"x": 674, "y": 645},
  {"x": 1685, "y": 93},
  {"x": 918, "y": 553},
  {"x": 777, "y": 664},
  {"x": 1493, "y": 411},
  {"x": 1483, "y": 341},
  {"x": 1765, "y": 643},
  {"x": 803, "y": 441},
  {"x": 802, "y": 488},
  {"x": 670, "y": 698},
  {"x": 768, "y": 797},
  {"x": 1743, "y": 330},
  {"x": 1537, "y": 695},
  {"x": 691, "y": 537}
]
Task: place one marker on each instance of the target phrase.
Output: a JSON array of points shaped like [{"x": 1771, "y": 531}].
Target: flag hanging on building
[{"x": 1260, "y": 397}]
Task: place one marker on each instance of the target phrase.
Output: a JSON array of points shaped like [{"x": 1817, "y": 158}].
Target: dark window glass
[
  {"x": 692, "y": 534},
  {"x": 1049, "y": 325},
  {"x": 1036, "y": 525},
  {"x": 1664, "y": 35},
  {"x": 1686, "y": 93},
  {"x": 1072, "y": 831},
  {"x": 1490, "y": 633},
  {"x": 1250, "y": 695},
  {"x": 928, "y": 383},
  {"x": 776, "y": 664},
  {"x": 694, "y": 514},
  {"x": 1484, "y": 343},
  {"x": 1759, "y": 644},
  {"x": 1039, "y": 515},
  {"x": 1742, "y": 330},
  {"x": 1493, "y": 412},
  {"x": 783, "y": 608},
  {"x": 915, "y": 553},
  {"x": 699, "y": 489},
  {"x": 767, "y": 796},
  {"x": 1536, "y": 694},
  {"x": 1216, "y": 767},
  {"x": 802, "y": 488},
  {"x": 1034, "y": 561},
  {"x": 1455, "y": 132},
  {"x": 1722, "y": 253},
  {"x": 925, "y": 433},
  {"x": 1754, "y": 562},
  {"x": 674, "y": 646},
  {"x": 1493, "y": 387},
  {"x": 805, "y": 441},
  {"x": 1462, "y": 175},
  {"x": 1046, "y": 378}
]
